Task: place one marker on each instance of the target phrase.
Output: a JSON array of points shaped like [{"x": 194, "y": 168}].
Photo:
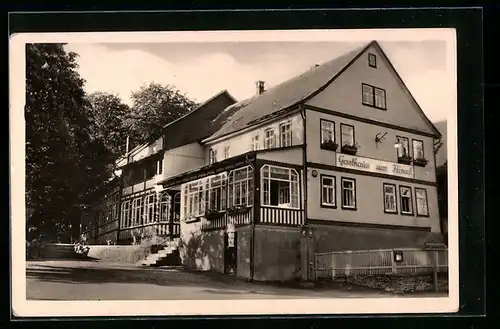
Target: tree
[
  {"x": 154, "y": 106},
  {"x": 109, "y": 116},
  {"x": 64, "y": 164}
]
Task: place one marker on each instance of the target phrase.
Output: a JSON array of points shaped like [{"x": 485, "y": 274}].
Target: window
[
  {"x": 406, "y": 204},
  {"x": 327, "y": 131},
  {"x": 149, "y": 209},
  {"x": 226, "y": 152},
  {"x": 422, "y": 206},
  {"x": 418, "y": 149},
  {"x": 280, "y": 187},
  {"x": 404, "y": 148},
  {"x": 255, "y": 143},
  {"x": 164, "y": 207},
  {"x": 390, "y": 198},
  {"x": 137, "y": 211},
  {"x": 216, "y": 192},
  {"x": 159, "y": 167},
  {"x": 177, "y": 207},
  {"x": 328, "y": 195},
  {"x": 348, "y": 193},
  {"x": 194, "y": 199},
  {"x": 346, "y": 134},
  {"x": 286, "y": 134},
  {"x": 373, "y": 96},
  {"x": 240, "y": 187},
  {"x": 212, "y": 156},
  {"x": 372, "y": 60},
  {"x": 270, "y": 139},
  {"x": 125, "y": 220}
]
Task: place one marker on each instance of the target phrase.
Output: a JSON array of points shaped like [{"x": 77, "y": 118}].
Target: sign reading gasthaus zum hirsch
[{"x": 374, "y": 166}]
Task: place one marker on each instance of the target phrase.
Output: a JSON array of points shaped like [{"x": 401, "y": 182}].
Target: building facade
[{"x": 343, "y": 150}]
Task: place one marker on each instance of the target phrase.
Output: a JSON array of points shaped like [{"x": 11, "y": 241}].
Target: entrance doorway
[{"x": 230, "y": 252}]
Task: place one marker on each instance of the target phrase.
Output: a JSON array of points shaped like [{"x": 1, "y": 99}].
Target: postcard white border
[{"x": 29, "y": 308}]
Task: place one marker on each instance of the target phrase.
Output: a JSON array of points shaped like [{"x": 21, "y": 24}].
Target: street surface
[{"x": 93, "y": 280}]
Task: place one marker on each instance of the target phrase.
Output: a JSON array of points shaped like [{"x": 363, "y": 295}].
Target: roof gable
[
  {"x": 283, "y": 96},
  {"x": 344, "y": 94}
]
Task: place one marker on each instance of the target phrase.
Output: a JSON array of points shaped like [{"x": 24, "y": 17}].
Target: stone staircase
[{"x": 168, "y": 256}]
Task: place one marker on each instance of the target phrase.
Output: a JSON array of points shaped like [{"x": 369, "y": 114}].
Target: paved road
[{"x": 90, "y": 280}]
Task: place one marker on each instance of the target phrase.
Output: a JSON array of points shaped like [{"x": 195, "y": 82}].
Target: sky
[{"x": 202, "y": 69}]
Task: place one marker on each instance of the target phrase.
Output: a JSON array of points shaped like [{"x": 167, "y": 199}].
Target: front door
[{"x": 230, "y": 252}]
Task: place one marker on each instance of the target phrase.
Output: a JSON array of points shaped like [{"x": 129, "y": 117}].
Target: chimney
[{"x": 260, "y": 87}]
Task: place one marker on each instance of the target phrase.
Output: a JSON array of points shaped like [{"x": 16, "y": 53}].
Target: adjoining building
[
  {"x": 342, "y": 149},
  {"x": 136, "y": 205}
]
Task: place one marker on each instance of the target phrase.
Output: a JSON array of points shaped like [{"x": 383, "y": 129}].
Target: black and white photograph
[{"x": 217, "y": 172}]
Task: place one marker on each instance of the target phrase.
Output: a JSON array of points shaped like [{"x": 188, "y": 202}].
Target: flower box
[
  {"x": 349, "y": 149},
  {"x": 212, "y": 214},
  {"x": 329, "y": 145},
  {"x": 421, "y": 162},
  {"x": 237, "y": 210},
  {"x": 405, "y": 159}
]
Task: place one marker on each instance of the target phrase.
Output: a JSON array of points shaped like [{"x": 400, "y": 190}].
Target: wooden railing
[{"x": 281, "y": 216}]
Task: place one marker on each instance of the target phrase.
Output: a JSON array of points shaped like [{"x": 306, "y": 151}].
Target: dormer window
[
  {"x": 372, "y": 60},
  {"x": 226, "y": 152}
]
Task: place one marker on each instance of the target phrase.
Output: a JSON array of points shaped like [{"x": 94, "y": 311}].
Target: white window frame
[
  {"x": 426, "y": 200},
  {"x": 285, "y": 131},
  {"x": 352, "y": 139},
  {"x": 165, "y": 205},
  {"x": 387, "y": 195},
  {"x": 269, "y": 138},
  {"x": 256, "y": 142},
  {"x": 226, "y": 152},
  {"x": 415, "y": 143},
  {"x": 212, "y": 156},
  {"x": 404, "y": 149},
  {"x": 379, "y": 98},
  {"x": 327, "y": 130},
  {"x": 150, "y": 210},
  {"x": 159, "y": 167},
  {"x": 195, "y": 199},
  {"x": 331, "y": 191},
  {"x": 242, "y": 187},
  {"x": 353, "y": 197},
  {"x": 125, "y": 213},
  {"x": 293, "y": 187},
  {"x": 216, "y": 185},
  {"x": 409, "y": 197}
]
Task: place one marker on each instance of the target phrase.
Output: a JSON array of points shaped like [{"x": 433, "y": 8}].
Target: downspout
[
  {"x": 256, "y": 201},
  {"x": 304, "y": 157}
]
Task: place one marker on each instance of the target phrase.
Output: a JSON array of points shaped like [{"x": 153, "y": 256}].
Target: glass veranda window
[
  {"x": 216, "y": 192},
  {"x": 280, "y": 187},
  {"x": 165, "y": 207},
  {"x": 240, "y": 187}
]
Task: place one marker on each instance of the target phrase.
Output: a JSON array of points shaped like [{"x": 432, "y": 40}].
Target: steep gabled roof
[
  {"x": 198, "y": 123},
  {"x": 193, "y": 126},
  {"x": 284, "y": 95},
  {"x": 293, "y": 92}
]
